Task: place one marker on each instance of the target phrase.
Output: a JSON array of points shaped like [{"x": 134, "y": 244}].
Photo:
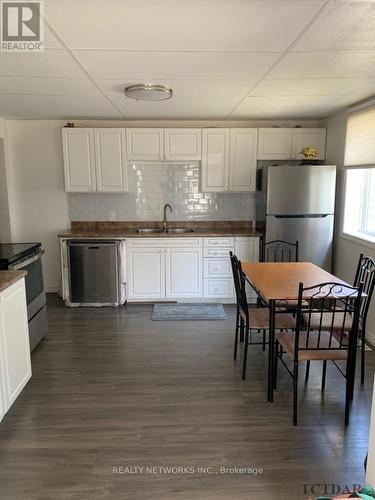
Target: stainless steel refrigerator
[{"x": 300, "y": 205}]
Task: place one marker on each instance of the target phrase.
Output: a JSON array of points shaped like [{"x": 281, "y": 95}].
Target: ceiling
[{"x": 224, "y": 59}]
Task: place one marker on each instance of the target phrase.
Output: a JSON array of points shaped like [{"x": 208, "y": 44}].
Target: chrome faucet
[{"x": 165, "y": 223}]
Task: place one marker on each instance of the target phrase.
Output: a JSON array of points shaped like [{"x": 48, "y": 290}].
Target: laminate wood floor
[{"x": 112, "y": 390}]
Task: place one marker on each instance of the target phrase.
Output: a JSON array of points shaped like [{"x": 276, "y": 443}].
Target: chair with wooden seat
[
  {"x": 281, "y": 251},
  {"x": 240, "y": 320},
  {"x": 365, "y": 274},
  {"x": 319, "y": 337},
  {"x": 253, "y": 318}
]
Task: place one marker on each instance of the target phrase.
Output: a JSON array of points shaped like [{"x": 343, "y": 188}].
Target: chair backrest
[
  {"x": 365, "y": 274},
  {"x": 239, "y": 283},
  {"x": 280, "y": 251},
  {"x": 327, "y": 317},
  {"x": 236, "y": 277}
]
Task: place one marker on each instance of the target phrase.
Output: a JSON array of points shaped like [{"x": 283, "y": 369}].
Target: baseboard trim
[{"x": 52, "y": 289}]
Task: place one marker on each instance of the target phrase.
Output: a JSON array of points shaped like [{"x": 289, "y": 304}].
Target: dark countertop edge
[
  {"x": 8, "y": 278},
  {"x": 122, "y": 235}
]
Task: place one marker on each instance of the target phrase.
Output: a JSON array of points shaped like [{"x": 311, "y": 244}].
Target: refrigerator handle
[{"x": 301, "y": 216}]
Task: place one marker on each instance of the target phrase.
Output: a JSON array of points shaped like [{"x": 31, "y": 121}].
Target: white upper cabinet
[
  {"x": 183, "y": 144},
  {"x": 314, "y": 137},
  {"x": 79, "y": 165},
  {"x": 286, "y": 143},
  {"x": 229, "y": 159},
  {"x": 215, "y": 160},
  {"x": 95, "y": 159},
  {"x": 243, "y": 159},
  {"x": 275, "y": 143},
  {"x": 145, "y": 144},
  {"x": 110, "y": 160},
  {"x": 171, "y": 144}
]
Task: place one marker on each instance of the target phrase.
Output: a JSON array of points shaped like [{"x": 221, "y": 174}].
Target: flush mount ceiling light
[{"x": 148, "y": 92}]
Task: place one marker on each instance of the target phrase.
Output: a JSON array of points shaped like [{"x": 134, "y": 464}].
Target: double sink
[{"x": 159, "y": 230}]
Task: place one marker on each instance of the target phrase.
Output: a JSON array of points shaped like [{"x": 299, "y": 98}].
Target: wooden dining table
[{"x": 278, "y": 281}]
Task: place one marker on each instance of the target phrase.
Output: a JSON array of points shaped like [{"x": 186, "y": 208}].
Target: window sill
[{"x": 360, "y": 239}]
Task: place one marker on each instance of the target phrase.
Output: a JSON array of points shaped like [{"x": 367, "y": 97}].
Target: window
[
  {"x": 359, "y": 218},
  {"x": 359, "y": 213}
]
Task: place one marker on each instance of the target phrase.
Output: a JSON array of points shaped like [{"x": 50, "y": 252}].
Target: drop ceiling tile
[
  {"x": 325, "y": 65},
  {"x": 315, "y": 86},
  {"x": 187, "y": 88},
  {"x": 29, "y": 106},
  {"x": 47, "y": 86},
  {"x": 63, "y": 114},
  {"x": 129, "y": 106},
  {"x": 187, "y": 113},
  {"x": 178, "y": 101},
  {"x": 291, "y": 106},
  {"x": 48, "y": 63},
  {"x": 149, "y": 66},
  {"x": 256, "y": 25},
  {"x": 343, "y": 26},
  {"x": 50, "y": 41}
]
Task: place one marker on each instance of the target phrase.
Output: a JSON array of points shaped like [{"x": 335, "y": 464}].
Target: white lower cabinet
[
  {"x": 217, "y": 270},
  {"x": 2, "y": 388},
  {"x": 183, "y": 273},
  {"x": 185, "y": 268},
  {"x": 15, "y": 361},
  {"x": 164, "y": 268},
  {"x": 218, "y": 289},
  {"x": 146, "y": 273}
]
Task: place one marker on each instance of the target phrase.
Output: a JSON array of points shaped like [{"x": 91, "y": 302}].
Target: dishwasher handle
[{"x": 92, "y": 245}]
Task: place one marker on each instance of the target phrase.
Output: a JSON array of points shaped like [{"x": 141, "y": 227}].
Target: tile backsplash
[{"x": 154, "y": 184}]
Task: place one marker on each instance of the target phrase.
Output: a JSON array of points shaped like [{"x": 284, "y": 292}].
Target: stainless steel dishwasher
[{"x": 94, "y": 277}]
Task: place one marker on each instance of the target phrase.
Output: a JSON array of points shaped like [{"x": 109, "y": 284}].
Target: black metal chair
[
  {"x": 326, "y": 331},
  {"x": 280, "y": 251},
  {"x": 365, "y": 274},
  {"x": 251, "y": 319}
]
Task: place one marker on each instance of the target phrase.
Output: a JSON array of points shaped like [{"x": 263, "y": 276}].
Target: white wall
[
  {"x": 2, "y": 127},
  {"x": 5, "y": 226},
  {"x": 38, "y": 202},
  {"x": 346, "y": 250}
]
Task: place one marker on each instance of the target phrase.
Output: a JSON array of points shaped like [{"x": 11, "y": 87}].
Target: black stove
[
  {"x": 28, "y": 257},
  {"x": 11, "y": 252}
]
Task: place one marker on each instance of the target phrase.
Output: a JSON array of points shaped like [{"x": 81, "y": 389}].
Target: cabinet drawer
[
  {"x": 217, "y": 252},
  {"x": 164, "y": 242},
  {"x": 217, "y": 268},
  {"x": 218, "y": 288},
  {"x": 219, "y": 242}
]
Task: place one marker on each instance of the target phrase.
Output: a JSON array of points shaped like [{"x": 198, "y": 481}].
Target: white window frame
[{"x": 365, "y": 238}]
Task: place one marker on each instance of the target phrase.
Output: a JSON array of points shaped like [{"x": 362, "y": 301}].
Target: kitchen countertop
[
  {"x": 128, "y": 229},
  {"x": 7, "y": 278},
  {"x": 131, "y": 233}
]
